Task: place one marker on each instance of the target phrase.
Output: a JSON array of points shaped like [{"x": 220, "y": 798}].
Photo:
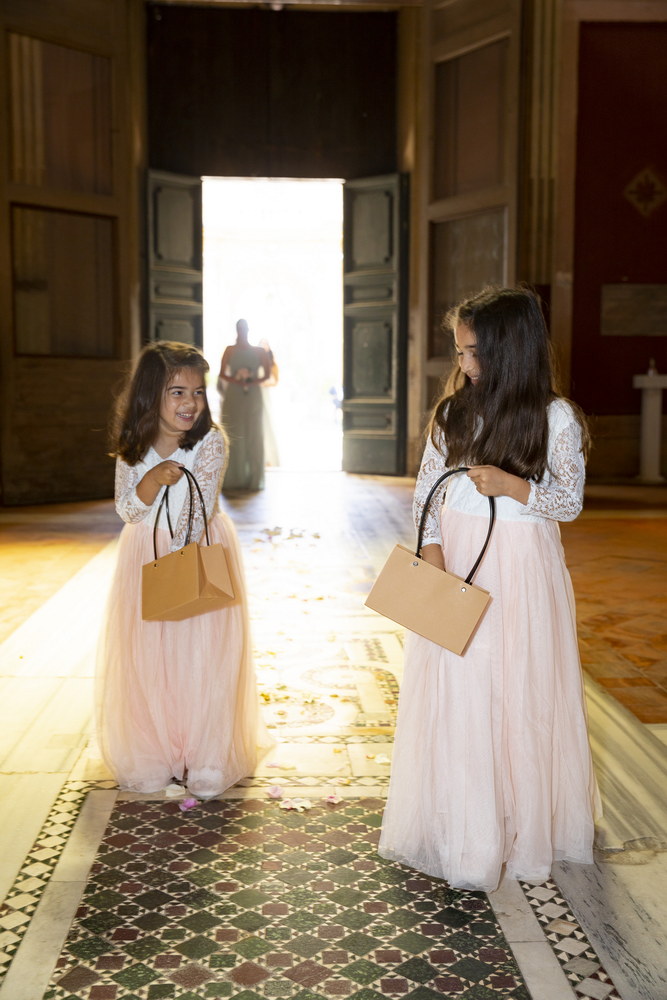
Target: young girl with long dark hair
[
  {"x": 492, "y": 765},
  {"x": 175, "y": 700}
]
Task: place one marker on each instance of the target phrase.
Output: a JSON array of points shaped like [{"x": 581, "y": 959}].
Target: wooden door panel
[
  {"x": 469, "y": 103},
  {"x": 471, "y": 158},
  {"x": 175, "y": 258},
  {"x": 466, "y": 254},
  {"x": 366, "y": 289},
  {"x": 371, "y": 217},
  {"x": 369, "y": 356},
  {"x": 375, "y": 332},
  {"x": 185, "y": 328},
  {"x": 177, "y": 215},
  {"x": 71, "y": 118}
]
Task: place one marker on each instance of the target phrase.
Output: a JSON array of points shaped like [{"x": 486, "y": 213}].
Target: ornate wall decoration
[{"x": 646, "y": 192}]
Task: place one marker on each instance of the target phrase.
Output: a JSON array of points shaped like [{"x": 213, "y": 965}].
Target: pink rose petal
[{"x": 188, "y": 804}]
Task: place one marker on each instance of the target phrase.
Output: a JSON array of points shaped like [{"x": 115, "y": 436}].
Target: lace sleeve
[
  {"x": 208, "y": 467},
  {"x": 433, "y": 465},
  {"x": 128, "y": 505},
  {"x": 561, "y": 496}
]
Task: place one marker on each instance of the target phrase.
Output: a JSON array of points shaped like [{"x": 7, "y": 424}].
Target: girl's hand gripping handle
[
  {"x": 165, "y": 474},
  {"x": 493, "y": 482}
]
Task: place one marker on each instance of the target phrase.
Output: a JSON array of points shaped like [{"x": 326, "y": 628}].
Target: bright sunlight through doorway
[{"x": 273, "y": 256}]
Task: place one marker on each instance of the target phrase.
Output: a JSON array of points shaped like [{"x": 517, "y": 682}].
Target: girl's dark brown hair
[
  {"x": 502, "y": 420},
  {"x": 136, "y": 420}
]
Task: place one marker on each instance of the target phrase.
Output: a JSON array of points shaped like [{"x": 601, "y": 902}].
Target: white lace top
[
  {"x": 206, "y": 461},
  {"x": 558, "y": 495}
]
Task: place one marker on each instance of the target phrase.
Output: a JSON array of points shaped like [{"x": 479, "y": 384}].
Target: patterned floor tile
[
  {"x": 570, "y": 945},
  {"x": 308, "y": 911},
  {"x": 37, "y": 869},
  {"x": 243, "y": 889}
]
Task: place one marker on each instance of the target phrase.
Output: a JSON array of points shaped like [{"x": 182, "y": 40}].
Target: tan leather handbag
[
  {"x": 434, "y": 603},
  {"x": 190, "y": 581}
]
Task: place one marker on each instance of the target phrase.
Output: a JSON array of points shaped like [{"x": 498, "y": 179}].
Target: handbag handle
[
  {"x": 422, "y": 522},
  {"x": 191, "y": 513}
]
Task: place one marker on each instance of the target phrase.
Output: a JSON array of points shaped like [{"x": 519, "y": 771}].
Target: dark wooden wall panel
[
  {"x": 60, "y": 430},
  {"x": 271, "y": 93},
  {"x": 72, "y": 150}
]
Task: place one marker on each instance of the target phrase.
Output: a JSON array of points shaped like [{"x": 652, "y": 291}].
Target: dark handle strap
[
  {"x": 422, "y": 522},
  {"x": 192, "y": 482}
]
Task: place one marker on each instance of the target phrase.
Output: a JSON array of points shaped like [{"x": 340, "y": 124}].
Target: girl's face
[
  {"x": 466, "y": 350},
  {"x": 182, "y": 401}
]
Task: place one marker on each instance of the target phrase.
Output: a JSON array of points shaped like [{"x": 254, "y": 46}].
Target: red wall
[{"x": 622, "y": 129}]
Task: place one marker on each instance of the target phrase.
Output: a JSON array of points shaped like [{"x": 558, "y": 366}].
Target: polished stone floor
[{"x": 264, "y": 900}]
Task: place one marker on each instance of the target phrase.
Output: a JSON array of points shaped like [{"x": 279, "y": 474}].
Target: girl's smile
[
  {"x": 183, "y": 402},
  {"x": 466, "y": 350}
]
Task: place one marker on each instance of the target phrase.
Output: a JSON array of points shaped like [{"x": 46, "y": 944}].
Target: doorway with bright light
[{"x": 273, "y": 256}]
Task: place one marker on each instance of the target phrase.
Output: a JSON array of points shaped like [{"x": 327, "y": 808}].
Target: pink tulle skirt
[
  {"x": 491, "y": 763},
  {"x": 176, "y": 699}
]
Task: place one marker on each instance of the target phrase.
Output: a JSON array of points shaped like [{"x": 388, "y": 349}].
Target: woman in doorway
[{"x": 243, "y": 369}]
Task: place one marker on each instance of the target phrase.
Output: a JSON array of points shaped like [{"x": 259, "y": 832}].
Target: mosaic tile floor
[
  {"x": 239, "y": 897},
  {"x": 246, "y": 899}
]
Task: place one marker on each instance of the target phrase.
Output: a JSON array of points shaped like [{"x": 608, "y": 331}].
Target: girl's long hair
[
  {"x": 502, "y": 420},
  {"x": 136, "y": 419}
]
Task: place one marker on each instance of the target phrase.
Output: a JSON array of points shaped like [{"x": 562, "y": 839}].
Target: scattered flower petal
[
  {"x": 297, "y": 805},
  {"x": 333, "y": 799},
  {"x": 188, "y": 804},
  {"x": 275, "y": 792}
]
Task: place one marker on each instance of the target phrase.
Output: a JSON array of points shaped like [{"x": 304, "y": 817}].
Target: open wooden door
[
  {"x": 375, "y": 325},
  {"x": 175, "y": 258}
]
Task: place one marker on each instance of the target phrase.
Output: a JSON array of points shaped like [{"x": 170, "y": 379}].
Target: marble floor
[{"x": 265, "y": 900}]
